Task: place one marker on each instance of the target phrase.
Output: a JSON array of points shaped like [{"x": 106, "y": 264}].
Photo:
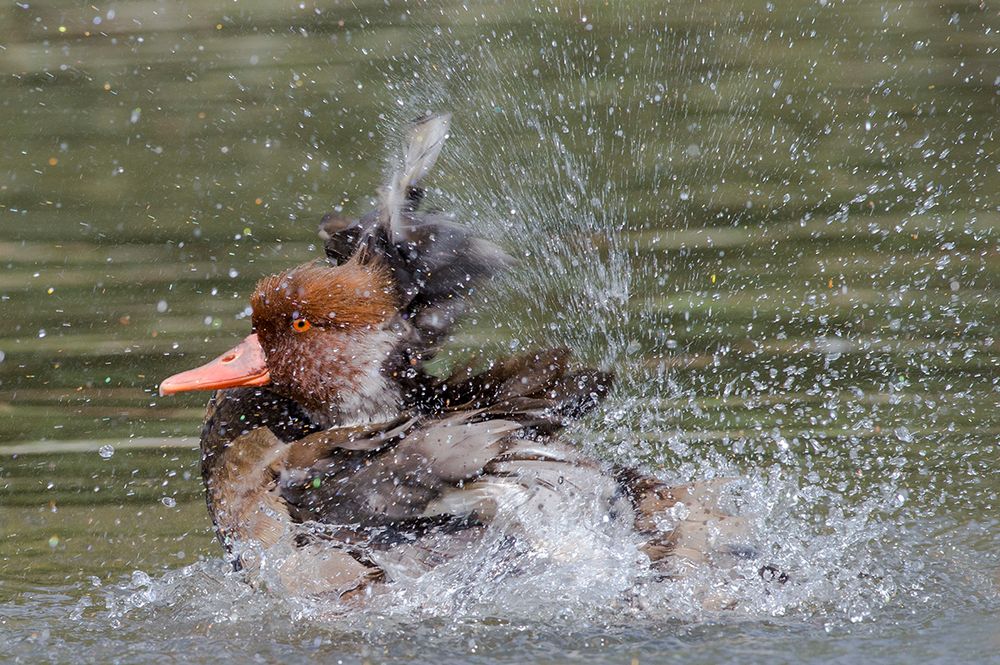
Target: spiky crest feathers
[{"x": 355, "y": 294}]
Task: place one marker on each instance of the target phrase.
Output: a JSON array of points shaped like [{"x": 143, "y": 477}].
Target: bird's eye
[{"x": 301, "y": 325}]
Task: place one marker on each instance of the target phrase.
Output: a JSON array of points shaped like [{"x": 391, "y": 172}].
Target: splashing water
[
  {"x": 630, "y": 118},
  {"x": 565, "y": 165}
]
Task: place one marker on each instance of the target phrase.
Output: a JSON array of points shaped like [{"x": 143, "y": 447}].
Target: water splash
[{"x": 646, "y": 116}]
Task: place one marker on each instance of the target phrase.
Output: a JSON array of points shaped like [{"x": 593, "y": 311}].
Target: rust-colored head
[
  {"x": 323, "y": 337},
  {"x": 350, "y": 296},
  {"x": 323, "y": 332}
]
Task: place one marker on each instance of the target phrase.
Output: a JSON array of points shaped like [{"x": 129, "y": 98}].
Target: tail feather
[{"x": 427, "y": 137}]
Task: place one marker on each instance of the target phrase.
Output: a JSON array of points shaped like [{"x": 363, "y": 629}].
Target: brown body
[{"x": 422, "y": 488}]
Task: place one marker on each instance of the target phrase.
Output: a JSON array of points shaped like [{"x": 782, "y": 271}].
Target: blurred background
[{"x": 777, "y": 221}]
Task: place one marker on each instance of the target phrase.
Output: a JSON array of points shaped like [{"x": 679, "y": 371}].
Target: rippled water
[{"x": 777, "y": 223}]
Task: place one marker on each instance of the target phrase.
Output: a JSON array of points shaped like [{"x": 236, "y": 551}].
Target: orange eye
[{"x": 301, "y": 325}]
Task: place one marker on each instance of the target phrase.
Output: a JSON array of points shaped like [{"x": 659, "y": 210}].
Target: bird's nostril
[{"x": 229, "y": 357}]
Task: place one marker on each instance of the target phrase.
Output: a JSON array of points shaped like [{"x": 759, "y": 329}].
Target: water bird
[{"x": 327, "y": 439}]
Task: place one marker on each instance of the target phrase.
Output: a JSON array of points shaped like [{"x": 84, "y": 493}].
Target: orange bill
[{"x": 242, "y": 365}]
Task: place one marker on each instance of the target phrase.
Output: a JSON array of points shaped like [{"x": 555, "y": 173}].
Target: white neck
[{"x": 363, "y": 394}]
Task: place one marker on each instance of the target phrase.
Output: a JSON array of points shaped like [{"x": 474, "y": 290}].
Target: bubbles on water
[
  {"x": 106, "y": 451},
  {"x": 139, "y": 578}
]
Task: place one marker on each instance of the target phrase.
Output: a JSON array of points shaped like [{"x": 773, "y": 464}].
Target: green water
[{"x": 800, "y": 199}]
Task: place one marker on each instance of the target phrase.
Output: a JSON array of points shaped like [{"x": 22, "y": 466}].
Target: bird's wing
[
  {"x": 394, "y": 481},
  {"x": 241, "y": 494},
  {"x": 426, "y": 138},
  {"x": 251, "y": 517},
  {"x": 390, "y": 473},
  {"x": 540, "y": 389}
]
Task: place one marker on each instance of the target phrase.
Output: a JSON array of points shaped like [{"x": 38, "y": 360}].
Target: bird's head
[{"x": 322, "y": 337}]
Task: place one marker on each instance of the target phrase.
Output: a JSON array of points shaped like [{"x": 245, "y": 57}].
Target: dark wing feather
[
  {"x": 390, "y": 473},
  {"x": 539, "y": 389},
  {"x": 394, "y": 480}
]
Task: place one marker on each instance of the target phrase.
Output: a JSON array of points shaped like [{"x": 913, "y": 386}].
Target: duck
[{"x": 336, "y": 461}]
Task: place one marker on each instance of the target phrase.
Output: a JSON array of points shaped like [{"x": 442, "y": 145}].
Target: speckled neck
[{"x": 341, "y": 379}]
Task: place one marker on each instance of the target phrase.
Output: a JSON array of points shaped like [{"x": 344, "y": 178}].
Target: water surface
[{"x": 778, "y": 223}]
